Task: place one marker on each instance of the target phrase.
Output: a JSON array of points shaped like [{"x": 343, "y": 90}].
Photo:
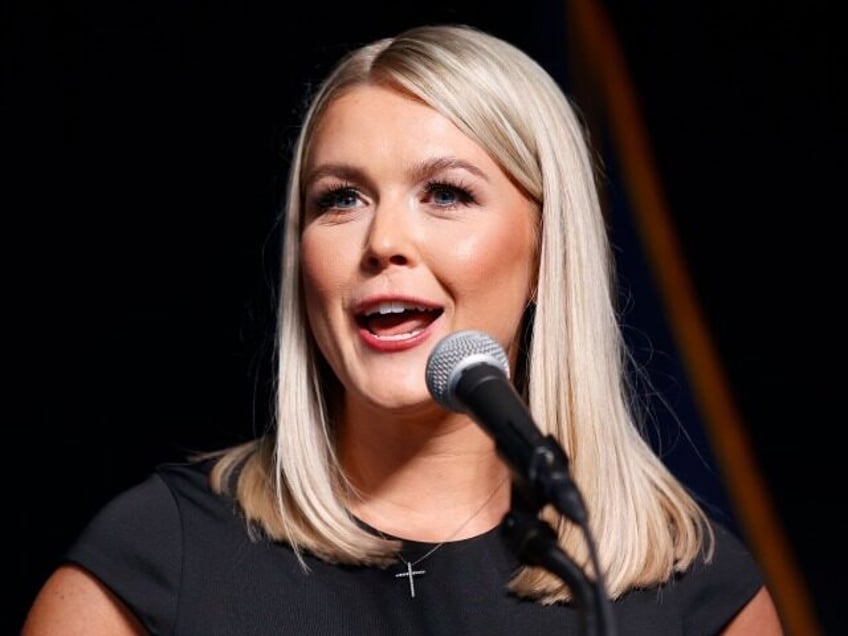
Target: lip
[
  {"x": 391, "y": 346},
  {"x": 371, "y": 302}
]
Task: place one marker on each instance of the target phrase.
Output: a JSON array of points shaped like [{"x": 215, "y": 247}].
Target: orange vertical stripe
[{"x": 598, "y": 46}]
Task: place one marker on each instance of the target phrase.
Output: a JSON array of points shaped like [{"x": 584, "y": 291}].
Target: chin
[{"x": 401, "y": 402}]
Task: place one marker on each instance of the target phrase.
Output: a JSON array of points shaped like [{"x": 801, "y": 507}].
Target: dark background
[{"x": 144, "y": 145}]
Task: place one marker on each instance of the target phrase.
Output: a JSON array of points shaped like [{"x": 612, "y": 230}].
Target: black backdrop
[{"x": 144, "y": 143}]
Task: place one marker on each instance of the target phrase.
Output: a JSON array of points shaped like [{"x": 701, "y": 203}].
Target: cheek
[
  {"x": 312, "y": 274},
  {"x": 501, "y": 261},
  {"x": 320, "y": 276},
  {"x": 322, "y": 280},
  {"x": 320, "y": 273}
]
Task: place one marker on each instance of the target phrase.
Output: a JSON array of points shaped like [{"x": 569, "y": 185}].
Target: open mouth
[{"x": 396, "y": 320}]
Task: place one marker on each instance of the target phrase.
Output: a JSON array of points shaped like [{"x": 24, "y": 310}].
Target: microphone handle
[
  {"x": 488, "y": 396},
  {"x": 539, "y": 462}
]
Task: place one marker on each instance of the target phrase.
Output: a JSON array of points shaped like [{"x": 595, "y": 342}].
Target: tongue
[{"x": 397, "y": 324}]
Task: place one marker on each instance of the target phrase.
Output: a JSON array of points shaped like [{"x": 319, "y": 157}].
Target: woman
[{"x": 440, "y": 182}]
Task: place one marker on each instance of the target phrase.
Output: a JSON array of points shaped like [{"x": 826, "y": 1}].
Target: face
[{"x": 411, "y": 232}]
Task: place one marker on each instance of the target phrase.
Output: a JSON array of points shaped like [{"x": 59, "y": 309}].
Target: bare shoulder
[
  {"x": 759, "y": 616},
  {"x": 72, "y": 602}
]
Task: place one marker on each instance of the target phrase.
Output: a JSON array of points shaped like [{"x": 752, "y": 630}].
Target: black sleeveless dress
[{"x": 180, "y": 558}]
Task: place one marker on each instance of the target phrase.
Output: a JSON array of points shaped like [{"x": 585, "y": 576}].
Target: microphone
[{"x": 468, "y": 372}]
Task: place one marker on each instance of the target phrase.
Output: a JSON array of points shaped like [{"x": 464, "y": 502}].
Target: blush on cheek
[
  {"x": 319, "y": 274},
  {"x": 469, "y": 251},
  {"x": 494, "y": 255}
]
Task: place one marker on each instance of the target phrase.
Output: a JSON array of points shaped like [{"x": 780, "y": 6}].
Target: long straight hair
[{"x": 573, "y": 376}]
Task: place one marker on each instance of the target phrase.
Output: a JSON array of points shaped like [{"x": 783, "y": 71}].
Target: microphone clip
[{"x": 549, "y": 481}]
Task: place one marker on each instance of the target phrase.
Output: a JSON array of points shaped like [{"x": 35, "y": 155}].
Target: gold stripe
[{"x": 597, "y": 48}]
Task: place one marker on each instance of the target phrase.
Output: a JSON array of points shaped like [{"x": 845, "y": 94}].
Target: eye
[
  {"x": 337, "y": 198},
  {"x": 445, "y": 194}
]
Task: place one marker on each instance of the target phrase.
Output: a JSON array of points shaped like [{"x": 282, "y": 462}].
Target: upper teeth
[{"x": 394, "y": 307}]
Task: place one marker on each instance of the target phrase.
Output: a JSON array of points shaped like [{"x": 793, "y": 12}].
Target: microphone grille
[{"x": 456, "y": 352}]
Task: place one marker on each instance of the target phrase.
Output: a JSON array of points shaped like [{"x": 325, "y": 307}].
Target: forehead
[
  {"x": 369, "y": 99},
  {"x": 369, "y": 123}
]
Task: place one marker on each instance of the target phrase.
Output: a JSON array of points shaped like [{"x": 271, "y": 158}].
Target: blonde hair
[{"x": 290, "y": 485}]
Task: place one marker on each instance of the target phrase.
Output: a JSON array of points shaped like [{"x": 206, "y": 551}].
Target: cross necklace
[
  {"x": 410, "y": 565},
  {"x": 410, "y": 572}
]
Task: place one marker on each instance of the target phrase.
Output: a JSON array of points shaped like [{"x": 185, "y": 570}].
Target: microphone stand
[{"x": 535, "y": 543}]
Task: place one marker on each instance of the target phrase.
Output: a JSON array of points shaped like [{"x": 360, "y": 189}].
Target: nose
[{"x": 390, "y": 239}]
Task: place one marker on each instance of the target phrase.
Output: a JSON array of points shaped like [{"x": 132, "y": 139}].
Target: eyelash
[
  {"x": 464, "y": 194},
  {"x": 327, "y": 199}
]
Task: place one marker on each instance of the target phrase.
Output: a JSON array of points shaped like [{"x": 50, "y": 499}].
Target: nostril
[
  {"x": 375, "y": 262},
  {"x": 372, "y": 262}
]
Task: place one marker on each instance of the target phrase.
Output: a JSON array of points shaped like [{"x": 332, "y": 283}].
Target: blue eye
[
  {"x": 339, "y": 198},
  {"x": 448, "y": 195}
]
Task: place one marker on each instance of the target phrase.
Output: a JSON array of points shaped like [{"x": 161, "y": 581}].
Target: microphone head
[{"x": 452, "y": 355}]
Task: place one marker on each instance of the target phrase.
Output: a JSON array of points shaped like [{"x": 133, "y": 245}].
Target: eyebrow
[
  {"x": 419, "y": 171},
  {"x": 433, "y": 166},
  {"x": 340, "y": 170}
]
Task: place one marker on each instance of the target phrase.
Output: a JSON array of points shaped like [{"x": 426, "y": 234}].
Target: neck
[{"x": 423, "y": 481}]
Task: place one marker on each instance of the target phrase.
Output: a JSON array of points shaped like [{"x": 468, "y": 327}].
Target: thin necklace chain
[
  {"x": 409, "y": 572},
  {"x": 458, "y": 530}
]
